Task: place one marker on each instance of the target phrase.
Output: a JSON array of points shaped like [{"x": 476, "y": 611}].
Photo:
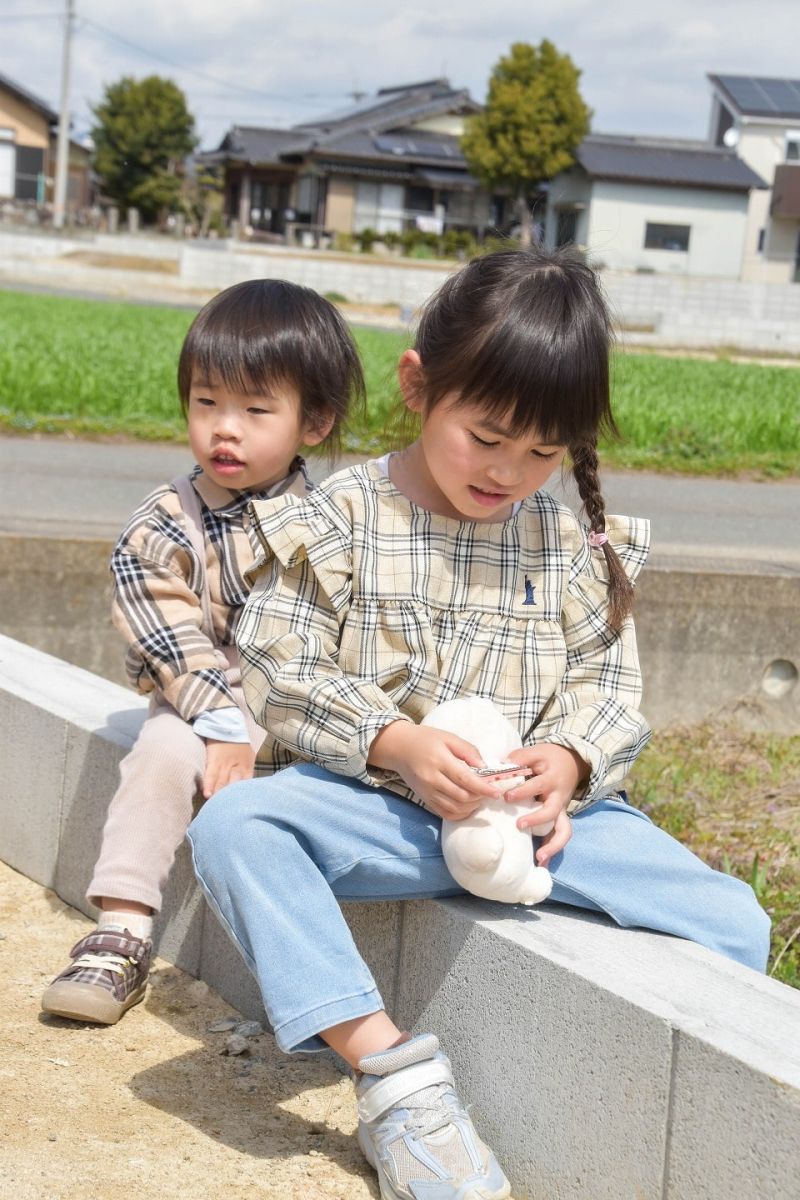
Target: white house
[
  {"x": 654, "y": 205},
  {"x": 760, "y": 117}
]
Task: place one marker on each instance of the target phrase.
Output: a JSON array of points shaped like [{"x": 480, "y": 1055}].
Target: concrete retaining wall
[
  {"x": 602, "y": 1064},
  {"x": 705, "y": 639},
  {"x": 651, "y": 309},
  {"x": 356, "y": 277}
]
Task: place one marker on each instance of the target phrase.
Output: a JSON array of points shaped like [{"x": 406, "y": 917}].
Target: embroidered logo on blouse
[{"x": 529, "y": 590}]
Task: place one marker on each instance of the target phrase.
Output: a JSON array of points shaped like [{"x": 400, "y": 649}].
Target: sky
[{"x": 256, "y": 62}]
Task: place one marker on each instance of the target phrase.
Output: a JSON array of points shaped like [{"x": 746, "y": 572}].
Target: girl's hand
[
  {"x": 557, "y": 772},
  {"x": 225, "y": 763},
  {"x": 436, "y": 765}
]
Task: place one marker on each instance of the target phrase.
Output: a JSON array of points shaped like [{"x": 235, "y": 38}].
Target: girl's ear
[
  {"x": 314, "y": 434},
  {"x": 410, "y": 374}
]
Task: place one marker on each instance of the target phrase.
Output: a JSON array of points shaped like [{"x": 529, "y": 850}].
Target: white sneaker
[{"x": 415, "y": 1132}]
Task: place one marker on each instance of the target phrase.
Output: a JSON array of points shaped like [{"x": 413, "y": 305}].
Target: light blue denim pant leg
[{"x": 275, "y": 856}]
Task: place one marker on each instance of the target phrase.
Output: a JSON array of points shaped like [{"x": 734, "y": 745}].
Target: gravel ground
[{"x": 151, "y": 1107}]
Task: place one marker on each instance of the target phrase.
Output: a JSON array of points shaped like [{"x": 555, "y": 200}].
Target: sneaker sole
[
  {"x": 388, "y": 1192},
  {"x": 85, "y": 1002}
]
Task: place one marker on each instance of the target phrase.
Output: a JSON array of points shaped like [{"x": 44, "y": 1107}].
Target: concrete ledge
[
  {"x": 602, "y": 1064},
  {"x": 705, "y": 637}
]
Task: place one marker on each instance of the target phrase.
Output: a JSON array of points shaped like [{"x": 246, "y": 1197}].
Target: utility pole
[{"x": 62, "y": 149}]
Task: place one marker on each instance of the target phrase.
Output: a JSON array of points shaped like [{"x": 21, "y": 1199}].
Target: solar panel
[
  {"x": 758, "y": 95},
  {"x": 782, "y": 94},
  {"x": 423, "y": 148}
]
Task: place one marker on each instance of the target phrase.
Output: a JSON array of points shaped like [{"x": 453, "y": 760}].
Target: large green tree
[
  {"x": 533, "y": 121},
  {"x": 142, "y": 133}
]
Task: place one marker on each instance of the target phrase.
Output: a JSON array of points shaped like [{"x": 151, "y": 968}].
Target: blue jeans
[{"x": 276, "y": 855}]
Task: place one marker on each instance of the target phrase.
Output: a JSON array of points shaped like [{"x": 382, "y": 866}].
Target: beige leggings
[{"x": 159, "y": 791}]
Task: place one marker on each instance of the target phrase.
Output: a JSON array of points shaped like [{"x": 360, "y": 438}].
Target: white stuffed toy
[{"x": 485, "y": 852}]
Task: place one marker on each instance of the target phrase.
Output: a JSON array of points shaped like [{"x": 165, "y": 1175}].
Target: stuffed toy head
[{"x": 485, "y": 852}]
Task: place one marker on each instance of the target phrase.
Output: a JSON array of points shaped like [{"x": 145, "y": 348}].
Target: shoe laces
[{"x": 116, "y": 963}]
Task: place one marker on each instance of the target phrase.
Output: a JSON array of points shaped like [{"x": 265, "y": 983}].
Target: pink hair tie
[{"x": 597, "y": 539}]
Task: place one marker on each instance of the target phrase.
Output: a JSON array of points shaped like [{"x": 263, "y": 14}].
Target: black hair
[
  {"x": 526, "y": 336},
  {"x": 265, "y": 331}
]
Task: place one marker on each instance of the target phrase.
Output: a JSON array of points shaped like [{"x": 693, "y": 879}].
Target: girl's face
[
  {"x": 477, "y": 467},
  {"x": 246, "y": 440},
  {"x": 465, "y": 464}
]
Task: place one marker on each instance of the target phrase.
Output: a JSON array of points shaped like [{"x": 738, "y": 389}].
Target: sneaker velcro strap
[
  {"x": 390, "y": 1092},
  {"x": 111, "y": 943}
]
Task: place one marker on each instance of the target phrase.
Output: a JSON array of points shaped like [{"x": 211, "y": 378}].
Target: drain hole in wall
[{"x": 779, "y": 678}]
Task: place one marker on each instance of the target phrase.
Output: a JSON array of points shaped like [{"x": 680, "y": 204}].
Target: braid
[{"x": 585, "y": 469}]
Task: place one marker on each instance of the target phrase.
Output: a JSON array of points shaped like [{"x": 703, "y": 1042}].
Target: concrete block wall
[
  {"x": 705, "y": 638},
  {"x": 362, "y": 278},
  {"x": 690, "y": 311},
  {"x": 601, "y": 1063}
]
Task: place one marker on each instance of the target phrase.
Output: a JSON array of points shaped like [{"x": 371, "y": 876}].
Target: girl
[
  {"x": 266, "y": 368},
  {"x": 438, "y": 572}
]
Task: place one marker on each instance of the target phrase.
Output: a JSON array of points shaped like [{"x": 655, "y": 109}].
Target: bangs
[
  {"x": 540, "y": 362},
  {"x": 245, "y": 361}
]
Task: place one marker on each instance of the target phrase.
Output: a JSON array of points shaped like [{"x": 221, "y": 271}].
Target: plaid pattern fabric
[
  {"x": 157, "y": 579},
  {"x": 367, "y": 609},
  {"x": 129, "y": 955}
]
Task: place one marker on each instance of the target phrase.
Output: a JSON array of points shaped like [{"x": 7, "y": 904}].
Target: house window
[
  {"x": 666, "y": 237},
  {"x": 379, "y": 206},
  {"x": 567, "y": 226},
  {"x": 793, "y": 145},
  {"x": 7, "y": 162},
  {"x": 420, "y": 199}
]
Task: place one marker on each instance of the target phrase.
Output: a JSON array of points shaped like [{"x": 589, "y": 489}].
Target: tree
[
  {"x": 143, "y": 132},
  {"x": 533, "y": 121}
]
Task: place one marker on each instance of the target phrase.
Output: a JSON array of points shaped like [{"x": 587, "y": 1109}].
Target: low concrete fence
[
  {"x": 710, "y": 643},
  {"x": 652, "y": 309},
  {"x": 601, "y": 1063}
]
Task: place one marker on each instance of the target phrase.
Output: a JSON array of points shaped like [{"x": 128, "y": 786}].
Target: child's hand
[
  {"x": 557, "y": 771},
  {"x": 225, "y": 763},
  {"x": 436, "y": 765}
]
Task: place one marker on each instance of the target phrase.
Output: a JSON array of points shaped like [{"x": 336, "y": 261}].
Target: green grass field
[
  {"x": 94, "y": 368},
  {"x": 683, "y": 780}
]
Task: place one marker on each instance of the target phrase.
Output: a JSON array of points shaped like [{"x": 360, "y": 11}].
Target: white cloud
[{"x": 643, "y": 69}]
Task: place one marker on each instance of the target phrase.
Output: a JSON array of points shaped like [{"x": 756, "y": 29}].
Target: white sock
[{"x": 138, "y": 924}]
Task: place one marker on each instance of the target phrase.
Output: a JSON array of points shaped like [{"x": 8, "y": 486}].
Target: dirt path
[{"x": 150, "y": 1107}]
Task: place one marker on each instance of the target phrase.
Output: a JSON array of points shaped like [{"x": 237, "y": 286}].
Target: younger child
[
  {"x": 439, "y": 572},
  {"x": 266, "y": 368}
]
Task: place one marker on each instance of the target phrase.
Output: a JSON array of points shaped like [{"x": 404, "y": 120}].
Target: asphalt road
[{"x": 89, "y": 489}]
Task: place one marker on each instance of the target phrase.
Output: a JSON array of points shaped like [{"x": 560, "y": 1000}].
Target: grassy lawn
[
  {"x": 95, "y": 368},
  {"x": 734, "y": 799}
]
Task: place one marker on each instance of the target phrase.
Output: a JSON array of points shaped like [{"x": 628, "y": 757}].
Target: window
[
  {"x": 793, "y": 145},
  {"x": 762, "y": 233},
  {"x": 420, "y": 199},
  {"x": 567, "y": 227},
  {"x": 666, "y": 237}
]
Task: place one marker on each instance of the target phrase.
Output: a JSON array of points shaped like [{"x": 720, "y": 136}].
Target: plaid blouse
[
  {"x": 157, "y": 581},
  {"x": 367, "y": 609}
]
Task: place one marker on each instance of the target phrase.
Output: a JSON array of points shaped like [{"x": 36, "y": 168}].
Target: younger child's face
[{"x": 246, "y": 440}]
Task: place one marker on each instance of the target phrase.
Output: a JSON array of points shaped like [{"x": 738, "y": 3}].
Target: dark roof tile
[{"x": 680, "y": 163}]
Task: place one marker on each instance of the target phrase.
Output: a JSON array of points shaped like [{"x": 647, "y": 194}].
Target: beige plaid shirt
[
  {"x": 367, "y": 609},
  {"x": 157, "y": 581}
]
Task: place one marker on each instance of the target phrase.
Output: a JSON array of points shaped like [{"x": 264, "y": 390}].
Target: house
[
  {"x": 387, "y": 162},
  {"x": 760, "y": 117},
  {"x": 654, "y": 204},
  {"x": 28, "y": 134}
]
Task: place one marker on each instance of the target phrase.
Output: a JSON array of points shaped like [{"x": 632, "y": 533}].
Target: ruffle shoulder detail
[{"x": 293, "y": 530}]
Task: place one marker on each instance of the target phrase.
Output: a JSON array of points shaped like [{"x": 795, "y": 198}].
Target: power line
[
  {"x": 308, "y": 99},
  {"x": 28, "y": 16}
]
